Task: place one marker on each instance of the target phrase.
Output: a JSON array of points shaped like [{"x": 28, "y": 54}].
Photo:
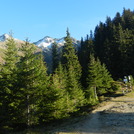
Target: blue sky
[{"x": 36, "y": 19}]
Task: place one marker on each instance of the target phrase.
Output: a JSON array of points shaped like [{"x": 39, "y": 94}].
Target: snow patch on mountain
[
  {"x": 61, "y": 41},
  {"x": 47, "y": 42},
  {"x": 4, "y": 37}
]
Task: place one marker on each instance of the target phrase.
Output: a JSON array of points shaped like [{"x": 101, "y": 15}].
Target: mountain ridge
[
  {"x": 47, "y": 42},
  {"x": 44, "y": 43}
]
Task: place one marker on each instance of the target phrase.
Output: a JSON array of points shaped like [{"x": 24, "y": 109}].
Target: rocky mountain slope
[{"x": 3, "y": 40}]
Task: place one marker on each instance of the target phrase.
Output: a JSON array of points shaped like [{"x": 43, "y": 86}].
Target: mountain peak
[
  {"x": 48, "y": 39},
  {"x": 4, "y": 37},
  {"x": 47, "y": 42}
]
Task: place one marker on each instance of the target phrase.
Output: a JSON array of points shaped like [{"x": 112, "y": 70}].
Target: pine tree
[
  {"x": 99, "y": 80},
  {"x": 128, "y": 19},
  {"x": 32, "y": 83},
  {"x": 69, "y": 57},
  {"x": 114, "y": 43},
  {"x": 53, "y": 103},
  {"x": 99, "y": 38},
  {"x": 87, "y": 48},
  {"x": 93, "y": 81},
  {"x": 55, "y": 56},
  {"x": 117, "y": 19},
  {"x": 8, "y": 79},
  {"x": 106, "y": 82},
  {"x": 73, "y": 69},
  {"x": 61, "y": 105},
  {"x": 122, "y": 52}
]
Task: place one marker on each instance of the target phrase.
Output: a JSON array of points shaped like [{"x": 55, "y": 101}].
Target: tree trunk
[
  {"x": 28, "y": 111},
  {"x": 95, "y": 93}
]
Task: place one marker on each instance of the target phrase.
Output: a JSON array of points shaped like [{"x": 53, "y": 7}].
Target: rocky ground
[{"x": 115, "y": 116}]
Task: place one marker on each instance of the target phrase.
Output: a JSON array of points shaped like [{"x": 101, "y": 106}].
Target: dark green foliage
[
  {"x": 28, "y": 96},
  {"x": 85, "y": 50},
  {"x": 32, "y": 82},
  {"x": 72, "y": 68},
  {"x": 99, "y": 80},
  {"x": 55, "y": 57},
  {"x": 8, "y": 79},
  {"x": 91, "y": 96},
  {"x": 114, "y": 44},
  {"x": 62, "y": 104},
  {"x": 55, "y": 102},
  {"x": 70, "y": 58},
  {"x": 115, "y": 86},
  {"x": 128, "y": 19}
]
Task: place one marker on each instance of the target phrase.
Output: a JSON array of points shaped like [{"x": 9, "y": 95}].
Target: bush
[{"x": 114, "y": 87}]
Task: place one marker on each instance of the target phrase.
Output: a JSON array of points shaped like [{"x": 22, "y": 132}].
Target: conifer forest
[{"x": 30, "y": 95}]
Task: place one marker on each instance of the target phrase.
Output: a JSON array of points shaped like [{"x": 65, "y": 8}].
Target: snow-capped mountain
[
  {"x": 47, "y": 42},
  {"x": 44, "y": 44},
  {"x": 4, "y": 37}
]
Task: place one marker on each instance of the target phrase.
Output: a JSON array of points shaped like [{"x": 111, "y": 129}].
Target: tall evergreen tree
[
  {"x": 93, "y": 81},
  {"x": 122, "y": 51},
  {"x": 114, "y": 43},
  {"x": 59, "y": 104},
  {"x": 86, "y": 49},
  {"x": 69, "y": 57},
  {"x": 52, "y": 105},
  {"x": 99, "y": 80},
  {"x": 117, "y": 19},
  {"x": 55, "y": 56},
  {"x": 72, "y": 66},
  {"x": 8, "y": 79},
  {"x": 32, "y": 83},
  {"x": 128, "y": 19}
]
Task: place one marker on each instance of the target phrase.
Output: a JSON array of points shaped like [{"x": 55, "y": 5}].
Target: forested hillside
[
  {"x": 114, "y": 43},
  {"x": 29, "y": 96}
]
